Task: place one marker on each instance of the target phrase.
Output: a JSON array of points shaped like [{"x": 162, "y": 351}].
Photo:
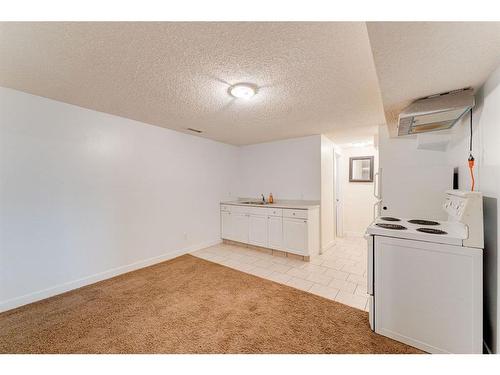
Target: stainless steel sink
[{"x": 257, "y": 202}]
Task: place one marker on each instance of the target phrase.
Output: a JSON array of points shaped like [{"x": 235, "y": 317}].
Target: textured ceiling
[
  {"x": 417, "y": 59},
  {"x": 343, "y": 136},
  {"x": 313, "y": 77}
]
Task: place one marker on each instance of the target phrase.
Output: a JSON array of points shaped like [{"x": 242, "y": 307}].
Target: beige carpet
[{"x": 189, "y": 305}]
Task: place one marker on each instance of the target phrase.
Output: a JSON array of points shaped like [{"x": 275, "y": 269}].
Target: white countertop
[{"x": 298, "y": 205}]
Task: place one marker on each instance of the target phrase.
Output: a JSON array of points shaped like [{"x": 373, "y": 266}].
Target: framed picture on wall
[{"x": 361, "y": 169}]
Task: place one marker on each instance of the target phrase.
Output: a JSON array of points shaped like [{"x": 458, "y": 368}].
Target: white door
[
  {"x": 275, "y": 232},
  {"x": 338, "y": 195},
  {"x": 257, "y": 230},
  {"x": 226, "y": 225},
  {"x": 239, "y": 227},
  {"x": 295, "y": 235}
]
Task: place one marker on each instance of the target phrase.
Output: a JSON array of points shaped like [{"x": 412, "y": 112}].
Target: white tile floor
[{"x": 338, "y": 274}]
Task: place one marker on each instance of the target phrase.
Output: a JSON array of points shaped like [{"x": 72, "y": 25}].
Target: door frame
[{"x": 337, "y": 173}]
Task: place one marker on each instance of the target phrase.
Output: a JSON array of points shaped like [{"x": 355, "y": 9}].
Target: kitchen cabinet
[
  {"x": 294, "y": 230},
  {"x": 275, "y": 232},
  {"x": 258, "y": 230},
  {"x": 226, "y": 227},
  {"x": 239, "y": 226},
  {"x": 295, "y": 235}
]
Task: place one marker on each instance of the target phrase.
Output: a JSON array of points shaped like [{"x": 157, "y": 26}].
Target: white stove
[
  {"x": 445, "y": 232},
  {"x": 425, "y": 277}
]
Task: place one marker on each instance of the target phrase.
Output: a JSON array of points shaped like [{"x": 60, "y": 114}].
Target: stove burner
[
  {"x": 390, "y": 226},
  {"x": 431, "y": 231},
  {"x": 423, "y": 222},
  {"x": 388, "y": 218}
]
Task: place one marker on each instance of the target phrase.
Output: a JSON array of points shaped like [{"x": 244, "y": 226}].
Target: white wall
[
  {"x": 357, "y": 197},
  {"x": 486, "y": 149},
  {"x": 413, "y": 181},
  {"x": 85, "y": 195},
  {"x": 290, "y": 169},
  {"x": 327, "y": 194}
]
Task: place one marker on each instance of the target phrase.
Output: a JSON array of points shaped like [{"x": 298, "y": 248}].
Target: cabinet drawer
[
  {"x": 274, "y": 211},
  {"x": 297, "y": 214},
  {"x": 239, "y": 209},
  {"x": 256, "y": 211}
]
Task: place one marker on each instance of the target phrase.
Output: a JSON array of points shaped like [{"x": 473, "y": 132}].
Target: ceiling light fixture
[{"x": 243, "y": 90}]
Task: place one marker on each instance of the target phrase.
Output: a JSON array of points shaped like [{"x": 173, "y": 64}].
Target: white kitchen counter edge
[{"x": 275, "y": 205}]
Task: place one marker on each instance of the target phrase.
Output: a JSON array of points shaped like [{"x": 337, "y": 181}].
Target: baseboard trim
[
  {"x": 91, "y": 279},
  {"x": 488, "y": 350},
  {"x": 267, "y": 250}
]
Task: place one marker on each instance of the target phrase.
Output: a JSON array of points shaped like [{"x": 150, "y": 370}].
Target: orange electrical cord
[
  {"x": 471, "y": 168},
  {"x": 471, "y": 158}
]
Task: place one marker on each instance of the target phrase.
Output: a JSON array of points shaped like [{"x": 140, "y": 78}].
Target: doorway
[{"x": 337, "y": 172}]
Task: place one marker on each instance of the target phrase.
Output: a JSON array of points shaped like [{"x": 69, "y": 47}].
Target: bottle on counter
[{"x": 271, "y": 199}]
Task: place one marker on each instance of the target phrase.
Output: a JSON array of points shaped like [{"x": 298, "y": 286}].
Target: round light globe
[{"x": 242, "y": 91}]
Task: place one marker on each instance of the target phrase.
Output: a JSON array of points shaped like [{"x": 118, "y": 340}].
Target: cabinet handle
[{"x": 305, "y": 221}]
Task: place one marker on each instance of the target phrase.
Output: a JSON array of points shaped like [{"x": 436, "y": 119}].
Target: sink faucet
[{"x": 263, "y": 198}]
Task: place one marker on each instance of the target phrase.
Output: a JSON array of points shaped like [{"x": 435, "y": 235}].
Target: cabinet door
[
  {"x": 295, "y": 235},
  {"x": 275, "y": 232},
  {"x": 257, "y": 230},
  {"x": 239, "y": 223},
  {"x": 226, "y": 225}
]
